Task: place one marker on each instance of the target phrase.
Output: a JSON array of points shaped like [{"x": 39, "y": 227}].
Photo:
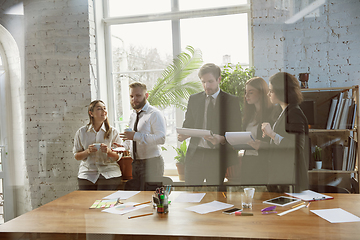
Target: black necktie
[
  {"x": 135, "y": 129},
  {"x": 210, "y": 117},
  {"x": 210, "y": 114}
]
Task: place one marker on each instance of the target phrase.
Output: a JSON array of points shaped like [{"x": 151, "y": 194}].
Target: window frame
[{"x": 103, "y": 29}]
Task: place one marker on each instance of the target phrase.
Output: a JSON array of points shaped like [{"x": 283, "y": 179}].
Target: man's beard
[{"x": 140, "y": 105}]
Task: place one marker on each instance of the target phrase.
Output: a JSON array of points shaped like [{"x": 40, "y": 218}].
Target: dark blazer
[
  {"x": 228, "y": 119},
  {"x": 290, "y": 159}
]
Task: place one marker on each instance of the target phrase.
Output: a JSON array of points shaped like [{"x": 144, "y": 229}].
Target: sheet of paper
[
  {"x": 237, "y": 138},
  {"x": 124, "y": 208},
  {"x": 189, "y": 197},
  {"x": 209, "y": 207},
  {"x": 194, "y": 132},
  {"x": 336, "y": 215},
  {"x": 309, "y": 195},
  {"x": 122, "y": 194}
]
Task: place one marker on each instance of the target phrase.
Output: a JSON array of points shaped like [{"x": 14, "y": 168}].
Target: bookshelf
[{"x": 338, "y": 137}]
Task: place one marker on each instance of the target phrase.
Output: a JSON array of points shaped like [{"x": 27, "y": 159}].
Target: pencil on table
[
  {"x": 141, "y": 215},
  {"x": 142, "y": 203},
  {"x": 298, "y": 205},
  {"x": 224, "y": 194}
]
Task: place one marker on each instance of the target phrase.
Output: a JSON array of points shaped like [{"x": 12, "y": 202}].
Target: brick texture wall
[
  {"x": 59, "y": 72},
  {"x": 326, "y": 45}
]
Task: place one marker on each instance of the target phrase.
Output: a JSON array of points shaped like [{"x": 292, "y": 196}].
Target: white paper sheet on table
[
  {"x": 189, "y": 197},
  {"x": 209, "y": 207},
  {"x": 192, "y": 132},
  {"x": 122, "y": 194},
  {"x": 336, "y": 215},
  {"x": 124, "y": 208},
  {"x": 309, "y": 195}
]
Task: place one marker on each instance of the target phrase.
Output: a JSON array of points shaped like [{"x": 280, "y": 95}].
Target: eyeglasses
[{"x": 271, "y": 91}]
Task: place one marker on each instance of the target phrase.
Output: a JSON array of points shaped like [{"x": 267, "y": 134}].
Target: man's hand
[
  {"x": 215, "y": 139},
  {"x": 128, "y": 135},
  {"x": 255, "y": 144},
  {"x": 182, "y": 137}
]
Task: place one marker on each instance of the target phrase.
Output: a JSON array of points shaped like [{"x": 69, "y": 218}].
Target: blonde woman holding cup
[{"x": 98, "y": 168}]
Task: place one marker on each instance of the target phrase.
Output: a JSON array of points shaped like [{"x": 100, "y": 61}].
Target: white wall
[
  {"x": 326, "y": 46},
  {"x": 59, "y": 73}
]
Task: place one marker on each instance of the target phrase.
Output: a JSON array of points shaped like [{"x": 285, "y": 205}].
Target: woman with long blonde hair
[{"x": 98, "y": 169}]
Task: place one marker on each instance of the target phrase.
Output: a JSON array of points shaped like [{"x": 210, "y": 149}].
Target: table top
[{"x": 70, "y": 214}]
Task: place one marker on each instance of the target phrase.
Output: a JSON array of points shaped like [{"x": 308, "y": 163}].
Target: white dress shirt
[
  {"x": 151, "y": 132},
  {"x": 203, "y": 143},
  {"x": 252, "y": 127},
  {"x": 277, "y": 140},
  {"x": 97, "y": 162}
]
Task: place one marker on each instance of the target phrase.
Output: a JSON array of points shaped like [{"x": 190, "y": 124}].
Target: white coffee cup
[{"x": 97, "y": 145}]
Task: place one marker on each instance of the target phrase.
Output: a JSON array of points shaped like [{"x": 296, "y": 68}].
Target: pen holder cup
[{"x": 163, "y": 203}]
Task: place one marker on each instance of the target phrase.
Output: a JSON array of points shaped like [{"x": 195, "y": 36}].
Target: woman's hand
[
  {"x": 267, "y": 130},
  {"x": 92, "y": 148},
  {"x": 104, "y": 148}
]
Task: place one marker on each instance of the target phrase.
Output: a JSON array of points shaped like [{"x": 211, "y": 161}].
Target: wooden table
[{"x": 69, "y": 217}]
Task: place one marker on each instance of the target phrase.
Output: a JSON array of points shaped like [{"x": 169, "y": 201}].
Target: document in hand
[
  {"x": 239, "y": 140},
  {"x": 192, "y": 132}
]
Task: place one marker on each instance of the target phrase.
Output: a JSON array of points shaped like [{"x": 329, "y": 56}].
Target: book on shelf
[
  {"x": 337, "y": 156},
  {"x": 334, "y": 102},
  {"x": 344, "y": 161},
  {"x": 342, "y": 112},
  {"x": 351, "y": 155},
  {"x": 337, "y": 111}
]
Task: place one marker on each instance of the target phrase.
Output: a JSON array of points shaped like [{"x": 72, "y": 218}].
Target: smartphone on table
[{"x": 232, "y": 210}]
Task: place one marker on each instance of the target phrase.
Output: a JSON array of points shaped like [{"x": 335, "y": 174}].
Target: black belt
[
  {"x": 147, "y": 159},
  {"x": 206, "y": 149}
]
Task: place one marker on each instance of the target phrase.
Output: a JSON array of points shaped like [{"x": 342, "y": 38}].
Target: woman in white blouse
[
  {"x": 257, "y": 109},
  {"x": 98, "y": 169}
]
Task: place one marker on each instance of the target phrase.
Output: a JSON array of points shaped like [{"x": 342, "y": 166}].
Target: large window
[{"x": 146, "y": 35}]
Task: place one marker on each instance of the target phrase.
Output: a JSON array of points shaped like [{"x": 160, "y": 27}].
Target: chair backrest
[
  {"x": 328, "y": 189},
  {"x": 151, "y": 186}
]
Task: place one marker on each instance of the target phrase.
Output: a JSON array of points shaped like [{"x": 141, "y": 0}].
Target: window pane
[
  {"x": 140, "y": 53},
  {"x": 203, "y": 4},
  {"x": 138, "y": 7},
  {"x": 221, "y": 39}
]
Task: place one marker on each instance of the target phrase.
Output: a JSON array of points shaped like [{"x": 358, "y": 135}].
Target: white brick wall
[
  {"x": 59, "y": 52},
  {"x": 326, "y": 46}
]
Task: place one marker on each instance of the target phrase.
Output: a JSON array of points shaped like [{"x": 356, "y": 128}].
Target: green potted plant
[
  {"x": 180, "y": 160},
  {"x": 317, "y": 157},
  {"x": 172, "y": 89},
  {"x": 233, "y": 79}
]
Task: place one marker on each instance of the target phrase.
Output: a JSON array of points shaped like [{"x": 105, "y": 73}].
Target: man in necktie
[
  {"x": 143, "y": 142},
  {"x": 208, "y": 158}
]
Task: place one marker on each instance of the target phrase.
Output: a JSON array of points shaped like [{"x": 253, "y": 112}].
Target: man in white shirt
[{"x": 144, "y": 139}]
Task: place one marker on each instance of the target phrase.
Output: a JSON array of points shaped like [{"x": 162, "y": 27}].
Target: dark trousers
[
  {"x": 205, "y": 164},
  {"x": 145, "y": 171},
  {"x": 102, "y": 184}
]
